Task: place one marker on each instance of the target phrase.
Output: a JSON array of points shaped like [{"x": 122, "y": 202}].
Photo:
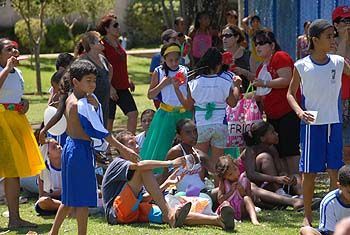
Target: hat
[
  {"x": 341, "y": 11},
  {"x": 167, "y": 34},
  {"x": 318, "y": 26}
]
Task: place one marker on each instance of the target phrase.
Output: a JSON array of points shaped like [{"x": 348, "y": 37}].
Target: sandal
[
  {"x": 227, "y": 218},
  {"x": 181, "y": 215}
]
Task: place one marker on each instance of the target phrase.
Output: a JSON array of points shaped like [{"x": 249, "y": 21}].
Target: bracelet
[{"x": 265, "y": 83}]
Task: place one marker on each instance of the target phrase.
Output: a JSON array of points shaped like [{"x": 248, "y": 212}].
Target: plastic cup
[
  {"x": 180, "y": 77},
  {"x": 227, "y": 58},
  {"x": 313, "y": 113}
]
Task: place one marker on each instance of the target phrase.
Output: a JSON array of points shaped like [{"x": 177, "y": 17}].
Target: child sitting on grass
[
  {"x": 50, "y": 179},
  {"x": 123, "y": 190},
  {"x": 235, "y": 188},
  {"x": 146, "y": 119},
  {"x": 334, "y": 206}
]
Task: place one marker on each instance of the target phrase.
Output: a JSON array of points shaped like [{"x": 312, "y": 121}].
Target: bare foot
[
  {"x": 298, "y": 203},
  {"x": 255, "y": 222},
  {"x": 20, "y": 223},
  {"x": 307, "y": 222}
]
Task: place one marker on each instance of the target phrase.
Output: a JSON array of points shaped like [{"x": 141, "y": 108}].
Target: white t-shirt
[
  {"x": 140, "y": 138},
  {"x": 12, "y": 89},
  {"x": 321, "y": 88},
  {"x": 332, "y": 210},
  {"x": 51, "y": 177},
  {"x": 210, "y": 89},
  {"x": 167, "y": 94}
]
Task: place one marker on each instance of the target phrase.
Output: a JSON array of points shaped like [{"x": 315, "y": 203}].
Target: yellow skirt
[{"x": 19, "y": 152}]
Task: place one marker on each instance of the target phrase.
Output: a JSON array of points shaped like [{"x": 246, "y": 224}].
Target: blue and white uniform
[
  {"x": 79, "y": 187},
  {"x": 321, "y": 142},
  {"x": 332, "y": 210}
]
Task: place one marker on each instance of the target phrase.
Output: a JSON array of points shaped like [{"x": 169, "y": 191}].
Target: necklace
[{"x": 115, "y": 46}]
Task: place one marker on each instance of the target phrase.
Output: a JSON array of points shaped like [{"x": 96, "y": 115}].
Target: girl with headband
[{"x": 163, "y": 127}]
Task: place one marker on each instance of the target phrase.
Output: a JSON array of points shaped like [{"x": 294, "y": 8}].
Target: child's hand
[
  {"x": 241, "y": 190},
  {"x": 282, "y": 179},
  {"x": 176, "y": 83},
  {"x": 113, "y": 94},
  {"x": 167, "y": 81},
  {"x": 92, "y": 100},
  {"x": 306, "y": 117},
  {"x": 174, "y": 178},
  {"x": 25, "y": 106},
  {"x": 180, "y": 161},
  {"x": 11, "y": 63},
  {"x": 237, "y": 80},
  {"x": 42, "y": 137},
  {"x": 131, "y": 155}
]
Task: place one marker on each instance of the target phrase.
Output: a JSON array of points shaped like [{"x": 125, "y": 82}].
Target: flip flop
[
  {"x": 182, "y": 214},
  {"x": 227, "y": 217}
]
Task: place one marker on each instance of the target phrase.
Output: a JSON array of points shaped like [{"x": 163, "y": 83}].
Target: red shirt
[
  {"x": 117, "y": 59},
  {"x": 345, "y": 89},
  {"x": 275, "y": 103}
]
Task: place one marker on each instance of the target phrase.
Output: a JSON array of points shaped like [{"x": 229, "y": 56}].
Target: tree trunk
[
  {"x": 165, "y": 14},
  {"x": 172, "y": 13},
  {"x": 37, "y": 68}
]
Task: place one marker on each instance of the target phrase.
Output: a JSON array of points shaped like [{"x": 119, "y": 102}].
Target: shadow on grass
[{"x": 41, "y": 229}]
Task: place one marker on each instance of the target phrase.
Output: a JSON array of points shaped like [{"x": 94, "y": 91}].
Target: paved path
[{"x": 139, "y": 53}]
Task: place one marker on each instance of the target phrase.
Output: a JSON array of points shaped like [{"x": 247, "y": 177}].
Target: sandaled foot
[
  {"x": 21, "y": 224},
  {"x": 298, "y": 205},
  {"x": 226, "y": 217},
  {"x": 180, "y": 216}
]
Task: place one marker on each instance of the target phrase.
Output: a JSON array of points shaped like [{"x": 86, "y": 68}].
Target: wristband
[
  {"x": 265, "y": 83},
  {"x": 170, "y": 167}
]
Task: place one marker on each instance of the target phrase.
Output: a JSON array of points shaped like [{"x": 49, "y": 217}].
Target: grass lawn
[
  {"x": 273, "y": 222},
  {"x": 138, "y": 69}
]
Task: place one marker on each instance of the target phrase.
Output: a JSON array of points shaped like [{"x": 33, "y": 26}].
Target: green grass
[
  {"x": 285, "y": 222},
  {"x": 138, "y": 70}
]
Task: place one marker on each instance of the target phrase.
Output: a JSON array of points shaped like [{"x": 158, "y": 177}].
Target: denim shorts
[{"x": 216, "y": 134}]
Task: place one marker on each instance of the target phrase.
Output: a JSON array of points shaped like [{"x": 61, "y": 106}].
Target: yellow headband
[{"x": 172, "y": 49}]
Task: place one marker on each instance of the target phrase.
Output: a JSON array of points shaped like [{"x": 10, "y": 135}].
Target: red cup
[
  {"x": 232, "y": 67},
  {"x": 227, "y": 58},
  {"x": 180, "y": 77}
]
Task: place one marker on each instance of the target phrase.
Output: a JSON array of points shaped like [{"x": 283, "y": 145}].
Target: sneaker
[
  {"x": 257, "y": 209},
  {"x": 281, "y": 192}
]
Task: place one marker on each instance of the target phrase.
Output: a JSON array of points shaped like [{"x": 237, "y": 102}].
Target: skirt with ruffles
[{"x": 19, "y": 152}]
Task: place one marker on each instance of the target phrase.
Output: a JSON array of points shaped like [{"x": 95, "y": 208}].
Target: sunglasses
[
  {"x": 345, "y": 20},
  {"x": 10, "y": 48},
  {"x": 115, "y": 25},
  {"x": 261, "y": 43},
  {"x": 227, "y": 35}
]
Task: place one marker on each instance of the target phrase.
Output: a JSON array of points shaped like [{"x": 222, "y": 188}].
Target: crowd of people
[{"x": 180, "y": 169}]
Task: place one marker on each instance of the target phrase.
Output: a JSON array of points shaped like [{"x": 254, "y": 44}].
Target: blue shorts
[
  {"x": 321, "y": 147},
  {"x": 79, "y": 188}
]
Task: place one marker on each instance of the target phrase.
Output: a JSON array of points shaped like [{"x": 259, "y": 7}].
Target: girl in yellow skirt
[{"x": 19, "y": 153}]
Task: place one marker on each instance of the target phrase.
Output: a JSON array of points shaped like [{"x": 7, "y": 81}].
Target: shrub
[{"x": 22, "y": 34}]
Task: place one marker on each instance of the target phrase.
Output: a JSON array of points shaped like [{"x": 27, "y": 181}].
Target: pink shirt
[{"x": 201, "y": 43}]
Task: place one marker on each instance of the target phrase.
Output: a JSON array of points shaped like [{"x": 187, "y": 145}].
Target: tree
[
  {"x": 29, "y": 9},
  {"x": 74, "y": 10}
]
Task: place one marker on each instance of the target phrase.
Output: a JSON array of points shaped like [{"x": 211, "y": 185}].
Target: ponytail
[{"x": 253, "y": 137}]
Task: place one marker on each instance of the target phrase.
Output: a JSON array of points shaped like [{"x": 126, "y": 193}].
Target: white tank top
[
  {"x": 321, "y": 88},
  {"x": 167, "y": 94},
  {"x": 192, "y": 176},
  {"x": 13, "y": 87}
]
